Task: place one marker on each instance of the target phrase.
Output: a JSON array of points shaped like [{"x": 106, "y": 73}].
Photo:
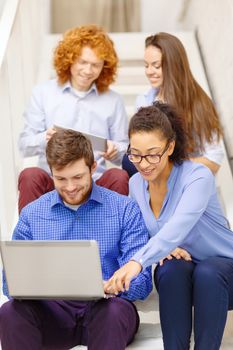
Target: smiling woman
[
  {"x": 171, "y": 80},
  {"x": 190, "y": 239}
]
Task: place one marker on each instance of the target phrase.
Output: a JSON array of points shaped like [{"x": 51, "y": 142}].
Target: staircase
[{"x": 22, "y": 27}]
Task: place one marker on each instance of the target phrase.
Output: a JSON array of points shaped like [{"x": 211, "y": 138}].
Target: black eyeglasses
[{"x": 150, "y": 158}]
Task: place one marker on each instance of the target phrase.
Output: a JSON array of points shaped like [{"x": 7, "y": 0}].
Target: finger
[
  {"x": 127, "y": 283},
  {"x": 119, "y": 285},
  {"x": 107, "y": 285},
  {"x": 110, "y": 147},
  {"x": 177, "y": 256},
  {"x": 169, "y": 257},
  {"x": 186, "y": 256},
  {"x": 161, "y": 262},
  {"x": 111, "y": 288},
  {"x": 112, "y": 153}
]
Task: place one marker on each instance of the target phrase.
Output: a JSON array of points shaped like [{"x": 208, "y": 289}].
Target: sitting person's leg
[
  {"x": 33, "y": 325},
  {"x": 116, "y": 180},
  {"x": 212, "y": 297},
  {"x": 128, "y": 166},
  {"x": 32, "y": 183},
  {"x": 112, "y": 324},
  {"x": 173, "y": 281}
]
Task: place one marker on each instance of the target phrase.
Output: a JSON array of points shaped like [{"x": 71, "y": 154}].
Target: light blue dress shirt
[
  {"x": 190, "y": 218},
  {"x": 113, "y": 220},
  {"x": 213, "y": 151},
  {"x": 101, "y": 114}
]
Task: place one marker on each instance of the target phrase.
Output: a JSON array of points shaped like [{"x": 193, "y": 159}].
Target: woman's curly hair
[
  {"x": 163, "y": 118},
  {"x": 70, "y": 47}
]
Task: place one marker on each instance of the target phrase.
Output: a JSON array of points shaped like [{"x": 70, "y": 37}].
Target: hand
[
  {"x": 49, "y": 133},
  {"x": 120, "y": 281},
  {"x": 178, "y": 253},
  {"x": 111, "y": 152}
]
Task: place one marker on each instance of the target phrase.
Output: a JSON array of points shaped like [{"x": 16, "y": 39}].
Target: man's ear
[{"x": 93, "y": 167}]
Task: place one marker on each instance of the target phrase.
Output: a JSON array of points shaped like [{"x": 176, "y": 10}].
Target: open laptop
[{"x": 52, "y": 269}]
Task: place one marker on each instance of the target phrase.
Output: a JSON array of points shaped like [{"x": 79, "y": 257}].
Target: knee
[
  {"x": 116, "y": 180},
  {"x": 206, "y": 274},
  {"x": 6, "y": 314},
  {"x": 118, "y": 174},
  {"x": 115, "y": 310},
  {"x": 29, "y": 175},
  {"x": 173, "y": 272}
]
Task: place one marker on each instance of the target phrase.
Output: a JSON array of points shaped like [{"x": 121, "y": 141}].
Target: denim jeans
[{"x": 204, "y": 288}]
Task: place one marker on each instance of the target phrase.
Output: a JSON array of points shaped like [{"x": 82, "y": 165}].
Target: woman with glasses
[
  {"x": 190, "y": 239},
  {"x": 168, "y": 71}
]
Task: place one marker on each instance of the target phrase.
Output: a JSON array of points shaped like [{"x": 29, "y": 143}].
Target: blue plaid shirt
[{"x": 113, "y": 220}]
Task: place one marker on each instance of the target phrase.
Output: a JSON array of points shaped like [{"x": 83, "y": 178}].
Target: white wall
[
  {"x": 22, "y": 26},
  {"x": 161, "y": 15}
]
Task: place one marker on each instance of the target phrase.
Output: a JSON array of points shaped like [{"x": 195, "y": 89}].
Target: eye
[
  {"x": 134, "y": 157},
  {"x": 97, "y": 65},
  {"x": 78, "y": 177},
  {"x": 80, "y": 61},
  {"x": 153, "y": 158}
]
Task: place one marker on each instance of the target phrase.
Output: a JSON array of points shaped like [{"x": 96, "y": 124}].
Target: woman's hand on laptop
[{"x": 120, "y": 281}]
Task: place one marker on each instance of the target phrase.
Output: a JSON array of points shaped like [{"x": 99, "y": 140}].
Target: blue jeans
[{"x": 207, "y": 287}]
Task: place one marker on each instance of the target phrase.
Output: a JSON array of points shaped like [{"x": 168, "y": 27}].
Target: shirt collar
[
  {"x": 68, "y": 87},
  {"x": 150, "y": 94},
  {"x": 94, "y": 196}
]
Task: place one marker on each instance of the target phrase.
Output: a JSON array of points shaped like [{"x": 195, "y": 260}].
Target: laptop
[
  {"x": 69, "y": 269},
  {"x": 98, "y": 143}
]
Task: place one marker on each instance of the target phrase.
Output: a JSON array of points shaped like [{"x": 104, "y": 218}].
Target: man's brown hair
[{"x": 66, "y": 146}]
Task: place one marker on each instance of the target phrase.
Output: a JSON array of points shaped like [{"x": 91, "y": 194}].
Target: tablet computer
[{"x": 98, "y": 143}]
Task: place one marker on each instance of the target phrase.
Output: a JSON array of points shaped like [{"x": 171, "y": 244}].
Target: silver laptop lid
[{"x": 52, "y": 269}]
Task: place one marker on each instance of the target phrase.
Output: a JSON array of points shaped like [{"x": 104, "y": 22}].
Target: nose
[
  {"x": 144, "y": 163},
  {"x": 88, "y": 68},
  {"x": 149, "y": 70},
  {"x": 70, "y": 186}
]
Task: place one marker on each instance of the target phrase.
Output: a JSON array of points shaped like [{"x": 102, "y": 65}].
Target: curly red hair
[{"x": 70, "y": 47}]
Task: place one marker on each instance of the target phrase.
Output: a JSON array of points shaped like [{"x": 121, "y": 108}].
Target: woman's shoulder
[
  {"x": 193, "y": 170},
  {"x": 146, "y": 99}
]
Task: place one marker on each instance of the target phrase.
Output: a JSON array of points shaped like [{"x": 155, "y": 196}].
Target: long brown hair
[{"x": 182, "y": 91}]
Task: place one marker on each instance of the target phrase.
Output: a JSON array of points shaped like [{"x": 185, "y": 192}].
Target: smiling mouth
[
  {"x": 86, "y": 78},
  {"x": 72, "y": 194},
  {"x": 154, "y": 79},
  {"x": 146, "y": 172}
]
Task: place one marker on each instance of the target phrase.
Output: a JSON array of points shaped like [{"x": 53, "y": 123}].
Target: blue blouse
[{"x": 191, "y": 216}]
